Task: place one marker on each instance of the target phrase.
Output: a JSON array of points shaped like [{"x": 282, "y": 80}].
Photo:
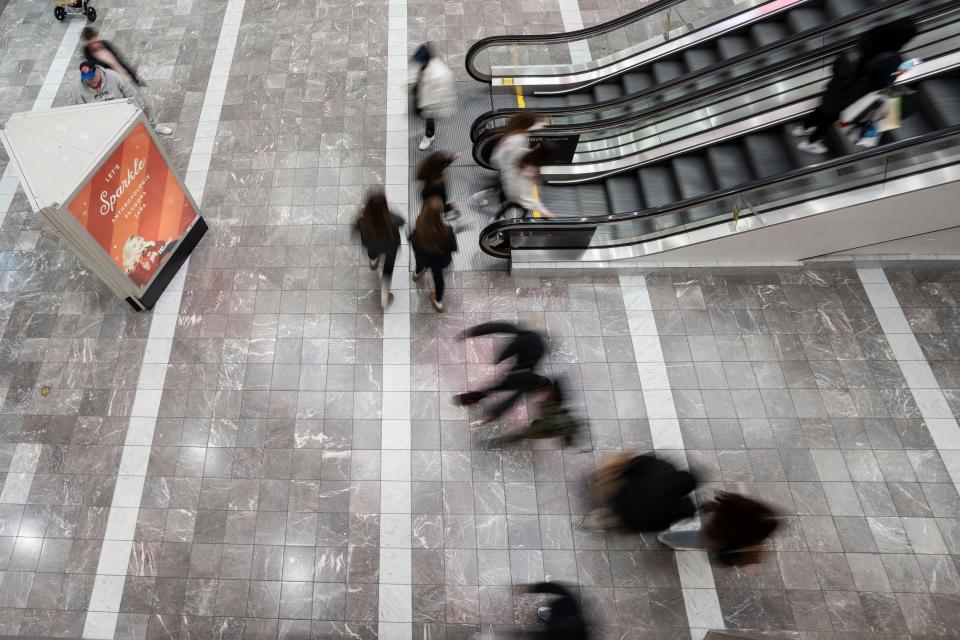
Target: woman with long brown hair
[
  {"x": 380, "y": 235},
  {"x": 432, "y": 173},
  {"x": 433, "y": 243}
]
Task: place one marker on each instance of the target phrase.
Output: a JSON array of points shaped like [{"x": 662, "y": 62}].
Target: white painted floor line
[
  {"x": 573, "y": 21},
  {"x": 930, "y": 400},
  {"x": 104, "y": 607},
  {"x": 16, "y": 488},
  {"x": 48, "y": 91},
  {"x": 696, "y": 576},
  {"x": 395, "y": 601}
]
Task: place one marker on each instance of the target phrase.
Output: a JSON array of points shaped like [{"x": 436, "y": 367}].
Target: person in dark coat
[
  {"x": 434, "y": 243},
  {"x": 870, "y": 65},
  {"x": 563, "y": 617},
  {"x": 432, "y": 173},
  {"x": 103, "y": 52},
  {"x": 527, "y": 348},
  {"x": 555, "y": 420},
  {"x": 379, "y": 230},
  {"x": 642, "y": 494}
]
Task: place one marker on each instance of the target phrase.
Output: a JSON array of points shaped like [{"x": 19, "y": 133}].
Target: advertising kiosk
[{"x": 98, "y": 175}]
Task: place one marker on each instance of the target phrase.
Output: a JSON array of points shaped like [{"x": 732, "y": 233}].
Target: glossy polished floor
[{"x": 268, "y": 455}]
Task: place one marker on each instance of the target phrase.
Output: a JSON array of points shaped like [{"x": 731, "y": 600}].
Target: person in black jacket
[
  {"x": 563, "y": 617},
  {"x": 528, "y": 350},
  {"x": 432, "y": 173},
  {"x": 380, "y": 235},
  {"x": 434, "y": 243},
  {"x": 871, "y": 65},
  {"x": 102, "y": 51},
  {"x": 641, "y": 493}
]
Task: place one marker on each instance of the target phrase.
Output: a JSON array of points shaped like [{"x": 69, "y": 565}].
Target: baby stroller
[{"x": 62, "y": 8}]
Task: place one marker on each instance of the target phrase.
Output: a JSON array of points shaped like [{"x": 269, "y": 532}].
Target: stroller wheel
[
  {"x": 59, "y": 13},
  {"x": 91, "y": 14}
]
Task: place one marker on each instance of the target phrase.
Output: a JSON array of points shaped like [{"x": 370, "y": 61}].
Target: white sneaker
[
  {"x": 481, "y": 198},
  {"x": 801, "y": 131},
  {"x": 425, "y": 143},
  {"x": 816, "y": 148},
  {"x": 162, "y": 130}
]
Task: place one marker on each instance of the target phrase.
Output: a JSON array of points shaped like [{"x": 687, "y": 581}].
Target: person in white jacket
[{"x": 433, "y": 91}]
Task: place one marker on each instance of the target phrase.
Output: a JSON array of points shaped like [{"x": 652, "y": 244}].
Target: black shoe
[{"x": 468, "y": 398}]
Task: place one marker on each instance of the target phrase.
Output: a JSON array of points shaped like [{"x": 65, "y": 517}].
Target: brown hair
[
  {"x": 432, "y": 167},
  {"x": 431, "y": 232},
  {"x": 89, "y": 33},
  {"x": 374, "y": 220},
  {"x": 519, "y": 123}
]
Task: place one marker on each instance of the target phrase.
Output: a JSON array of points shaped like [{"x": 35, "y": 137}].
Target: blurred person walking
[
  {"x": 527, "y": 348},
  {"x": 555, "y": 420},
  {"x": 733, "y": 529},
  {"x": 104, "y": 53},
  {"x": 379, "y": 230},
  {"x": 641, "y": 493},
  {"x": 434, "y": 243},
  {"x": 521, "y": 182},
  {"x": 871, "y": 65},
  {"x": 514, "y": 143},
  {"x": 432, "y": 173},
  {"x": 99, "y": 84},
  {"x": 433, "y": 91}
]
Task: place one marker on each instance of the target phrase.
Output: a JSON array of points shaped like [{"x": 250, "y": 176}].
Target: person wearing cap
[{"x": 99, "y": 84}]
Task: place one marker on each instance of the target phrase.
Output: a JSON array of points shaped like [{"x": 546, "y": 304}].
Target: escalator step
[
  {"x": 766, "y": 154},
  {"x": 637, "y": 81},
  {"x": 593, "y": 199},
  {"x": 729, "y": 164},
  {"x": 667, "y": 70},
  {"x": 699, "y": 58},
  {"x": 912, "y": 124},
  {"x": 623, "y": 192},
  {"x": 656, "y": 182},
  {"x": 767, "y": 33},
  {"x": 580, "y": 100},
  {"x": 944, "y": 99},
  {"x": 562, "y": 201},
  {"x": 544, "y": 102},
  {"x": 840, "y": 8},
  {"x": 603, "y": 92},
  {"x": 692, "y": 175},
  {"x": 800, "y": 20},
  {"x": 733, "y": 46}
]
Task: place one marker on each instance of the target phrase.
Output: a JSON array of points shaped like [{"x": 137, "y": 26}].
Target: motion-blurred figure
[
  {"x": 379, "y": 230},
  {"x": 513, "y": 144},
  {"x": 641, "y": 493},
  {"x": 102, "y": 51},
  {"x": 432, "y": 173},
  {"x": 563, "y": 617},
  {"x": 99, "y": 84},
  {"x": 734, "y": 528},
  {"x": 555, "y": 420},
  {"x": 433, "y": 91},
  {"x": 871, "y": 65},
  {"x": 528, "y": 349},
  {"x": 433, "y": 242}
]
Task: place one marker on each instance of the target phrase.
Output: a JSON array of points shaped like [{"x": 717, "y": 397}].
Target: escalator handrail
[
  {"x": 587, "y": 222},
  {"x": 567, "y": 36},
  {"x": 477, "y": 135}
]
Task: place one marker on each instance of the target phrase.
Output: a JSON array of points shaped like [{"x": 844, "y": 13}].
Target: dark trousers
[
  {"x": 520, "y": 381},
  {"x": 389, "y": 260},
  {"x": 438, "y": 284},
  {"x": 431, "y": 127},
  {"x": 821, "y": 121}
]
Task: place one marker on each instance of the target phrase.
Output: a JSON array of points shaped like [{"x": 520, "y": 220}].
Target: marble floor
[{"x": 269, "y": 455}]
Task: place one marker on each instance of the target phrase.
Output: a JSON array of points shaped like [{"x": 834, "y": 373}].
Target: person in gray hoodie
[{"x": 99, "y": 84}]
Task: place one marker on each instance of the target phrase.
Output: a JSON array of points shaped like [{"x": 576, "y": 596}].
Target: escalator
[
  {"x": 748, "y": 168},
  {"x": 610, "y": 73},
  {"x": 646, "y": 105}
]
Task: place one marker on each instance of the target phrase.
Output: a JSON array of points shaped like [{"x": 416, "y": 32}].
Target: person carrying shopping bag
[
  {"x": 433, "y": 243},
  {"x": 379, "y": 230}
]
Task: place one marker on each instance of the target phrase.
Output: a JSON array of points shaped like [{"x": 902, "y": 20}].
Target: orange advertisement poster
[{"x": 133, "y": 207}]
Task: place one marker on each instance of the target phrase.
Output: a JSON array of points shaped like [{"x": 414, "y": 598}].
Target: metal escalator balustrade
[
  {"x": 763, "y": 172},
  {"x": 633, "y": 103}
]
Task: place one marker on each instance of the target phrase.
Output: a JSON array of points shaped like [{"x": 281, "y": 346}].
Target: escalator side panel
[{"x": 943, "y": 98}]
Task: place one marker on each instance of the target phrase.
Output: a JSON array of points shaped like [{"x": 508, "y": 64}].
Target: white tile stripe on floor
[
  {"x": 104, "y": 607},
  {"x": 395, "y": 597},
  {"x": 930, "y": 400},
  {"x": 696, "y": 576},
  {"x": 573, "y": 21},
  {"x": 48, "y": 91}
]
